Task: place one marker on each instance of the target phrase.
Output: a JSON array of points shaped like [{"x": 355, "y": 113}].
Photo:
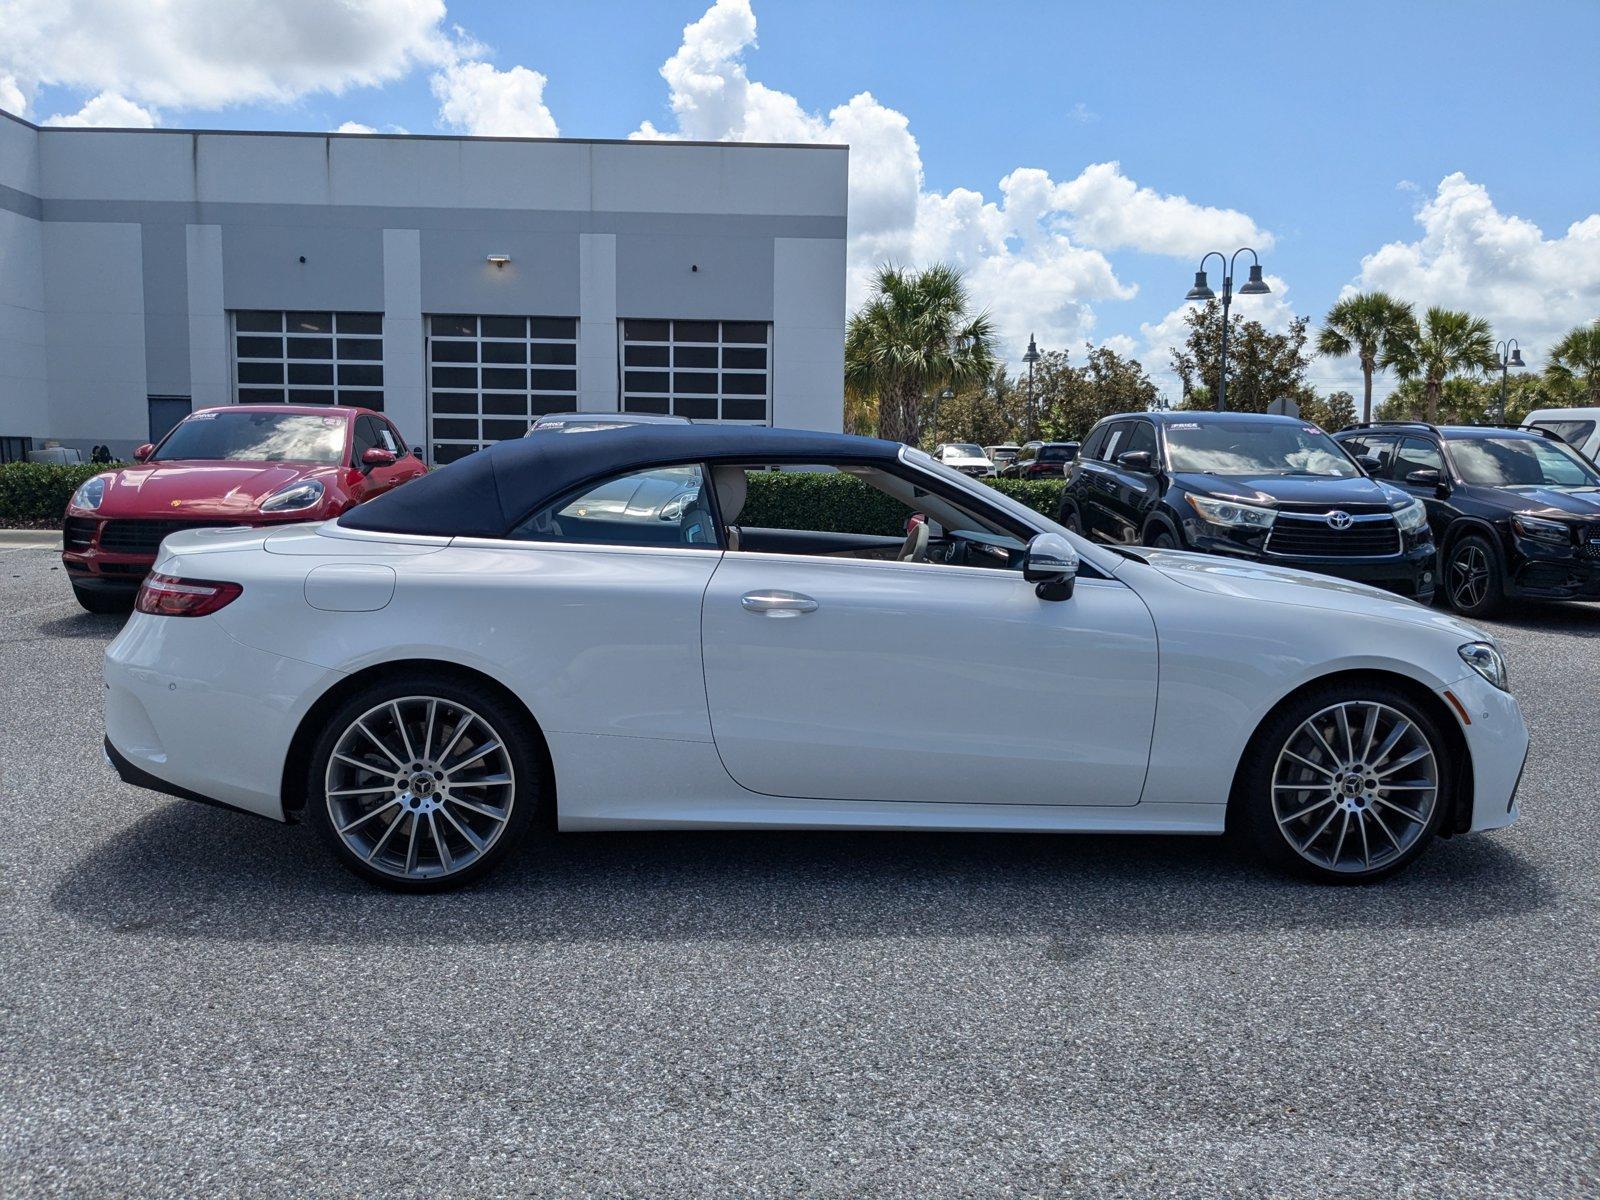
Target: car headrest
[{"x": 732, "y": 488}]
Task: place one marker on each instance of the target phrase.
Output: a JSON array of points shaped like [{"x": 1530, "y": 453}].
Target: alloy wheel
[
  {"x": 1469, "y": 576},
  {"x": 1355, "y": 787},
  {"x": 420, "y": 787}
]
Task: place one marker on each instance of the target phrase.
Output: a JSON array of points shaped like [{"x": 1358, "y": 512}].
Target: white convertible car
[{"x": 613, "y": 629}]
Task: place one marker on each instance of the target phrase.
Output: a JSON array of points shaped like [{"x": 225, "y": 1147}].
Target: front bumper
[
  {"x": 1497, "y": 741},
  {"x": 95, "y": 563},
  {"x": 1545, "y": 571},
  {"x": 1411, "y": 573}
]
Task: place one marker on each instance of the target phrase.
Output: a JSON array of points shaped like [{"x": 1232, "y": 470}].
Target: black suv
[
  {"x": 1273, "y": 489},
  {"x": 1516, "y": 512}
]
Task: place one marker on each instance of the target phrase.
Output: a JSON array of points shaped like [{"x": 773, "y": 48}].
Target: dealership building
[{"x": 461, "y": 285}]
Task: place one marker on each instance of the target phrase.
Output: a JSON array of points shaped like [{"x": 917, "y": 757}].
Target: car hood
[
  {"x": 1289, "y": 489},
  {"x": 1551, "y": 501},
  {"x": 1284, "y": 585},
  {"x": 200, "y": 489}
]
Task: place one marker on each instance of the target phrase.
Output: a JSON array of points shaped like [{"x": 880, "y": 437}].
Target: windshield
[
  {"x": 256, "y": 437},
  {"x": 1520, "y": 462},
  {"x": 964, "y": 450},
  {"x": 1251, "y": 448}
]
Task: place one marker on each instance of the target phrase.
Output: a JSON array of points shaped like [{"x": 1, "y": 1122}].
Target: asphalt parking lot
[{"x": 197, "y": 1003}]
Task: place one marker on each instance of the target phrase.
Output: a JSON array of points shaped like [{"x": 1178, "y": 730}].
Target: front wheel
[
  {"x": 1070, "y": 521},
  {"x": 1345, "y": 784},
  {"x": 1160, "y": 537},
  {"x": 422, "y": 784},
  {"x": 1473, "y": 581}
]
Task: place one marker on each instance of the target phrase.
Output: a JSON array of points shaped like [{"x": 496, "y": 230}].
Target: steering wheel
[{"x": 915, "y": 547}]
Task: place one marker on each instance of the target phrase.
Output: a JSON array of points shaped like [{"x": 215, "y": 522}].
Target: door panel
[{"x": 915, "y": 682}]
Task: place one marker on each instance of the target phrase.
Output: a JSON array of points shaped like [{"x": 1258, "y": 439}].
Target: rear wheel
[
  {"x": 96, "y": 601},
  {"x": 422, "y": 784},
  {"x": 1345, "y": 784},
  {"x": 1473, "y": 581}
]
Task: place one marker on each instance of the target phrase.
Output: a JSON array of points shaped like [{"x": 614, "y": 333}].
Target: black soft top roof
[{"x": 487, "y": 493}]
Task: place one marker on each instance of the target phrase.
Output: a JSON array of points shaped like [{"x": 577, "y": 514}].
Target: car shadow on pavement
[
  {"x": 1580, "y": 619},
  {"x": 188, "y": 872},
  {"x": 84, "y": 625}
]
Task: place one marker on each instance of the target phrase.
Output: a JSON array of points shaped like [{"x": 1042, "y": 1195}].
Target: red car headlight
[{"x": 168, "y": 596}]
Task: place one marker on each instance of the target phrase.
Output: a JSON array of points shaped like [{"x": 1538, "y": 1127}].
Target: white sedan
[{"x": 626, "y": 629}]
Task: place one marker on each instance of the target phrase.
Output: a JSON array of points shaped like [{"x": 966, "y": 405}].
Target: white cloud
[
  {"x": 355, "y": 127},
  {"x": 108, "y": 111},
  {"x": 476, "y": 98},
  {"x": 12, "y": 98},
  {"x": 206, "y": 54},
  {"x": 1034, "y": 257},
  {"x": 1474, "y": 257}
]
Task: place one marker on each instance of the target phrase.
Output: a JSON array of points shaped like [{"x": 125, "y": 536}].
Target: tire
[
  {"x": 420, "y": 807},
  {"x": 1474, "y": 581},
  {"x": 96, "y": 601},
  {"x": 1159, "y": 536},
  {"x": 1070, "y": 520},
  {"x": 1308, "y": 812}
]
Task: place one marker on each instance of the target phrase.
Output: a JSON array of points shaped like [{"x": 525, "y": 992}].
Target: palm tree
[
  {"x": 1366, "y": 325},
  {"x": 914, "y": 335},
  {"x": 1449, "y": 343},
  {"x": 1575, "y": 361}
]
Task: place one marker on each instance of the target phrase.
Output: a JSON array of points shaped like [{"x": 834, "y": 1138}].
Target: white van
[{"x": 1577, "y": 427}]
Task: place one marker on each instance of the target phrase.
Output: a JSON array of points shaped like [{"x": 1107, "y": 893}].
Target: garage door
[{"x": 489, "y": 376}]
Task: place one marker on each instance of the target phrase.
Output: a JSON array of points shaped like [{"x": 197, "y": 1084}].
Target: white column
[
  {"x": 808, "y": 333},
  {"x": 210, "y": 363},
  {"x": 597, "y": 323},
  {"x": 405, "y": 393}
]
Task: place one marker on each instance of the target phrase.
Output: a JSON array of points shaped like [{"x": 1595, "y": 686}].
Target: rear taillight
[{"x": 168, "y": 596}]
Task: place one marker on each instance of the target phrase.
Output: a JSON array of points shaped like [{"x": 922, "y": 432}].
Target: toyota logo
[{"x": 1339, "y": 519}]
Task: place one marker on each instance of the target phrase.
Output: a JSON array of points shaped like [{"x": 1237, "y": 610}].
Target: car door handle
[{"x": 773, "y": 603}]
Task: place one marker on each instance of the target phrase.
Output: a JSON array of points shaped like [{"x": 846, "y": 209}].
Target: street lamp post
[
  {"x": 1031, "y": 357},
  {"x": 1509, "y": 355},
  {"x": 1254, "y": 286}
]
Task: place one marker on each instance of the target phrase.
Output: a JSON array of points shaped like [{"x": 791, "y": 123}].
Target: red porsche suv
[{"x": 245, "y": 464}]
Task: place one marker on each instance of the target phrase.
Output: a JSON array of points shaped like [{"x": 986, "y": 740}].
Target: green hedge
[
  {"x": 37, "y": 493},
  {"x": 836, "y": 503}
]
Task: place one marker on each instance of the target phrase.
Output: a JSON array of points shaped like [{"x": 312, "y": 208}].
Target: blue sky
[{"x": 1444, "y": 133}]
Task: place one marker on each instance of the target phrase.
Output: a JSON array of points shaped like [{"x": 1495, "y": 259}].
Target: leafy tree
[
  {"x": 1332, "y": 412},
  {"x": 1077, "y": 397},
  {"x": 1575, "y": 364},
  {"x": 1366, "y": 325},
  {"x": 1466, "y": 401},
  {"x": 1448, "y": 344},
  {"x": 1262, "y": 366},
  {"x": 911, "y": 337},
  {"x": 990, "y": 413}
]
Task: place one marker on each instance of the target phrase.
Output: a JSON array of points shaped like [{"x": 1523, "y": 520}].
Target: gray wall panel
[
  {"x": 165, "y": 256},
  {"x": 262, "y": 268},
  {"x": 656, "y": 277},
  {"x": 540, "y": 280}
]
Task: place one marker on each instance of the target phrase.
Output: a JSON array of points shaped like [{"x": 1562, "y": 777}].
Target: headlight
[
  {"x": 1542, "y": 530},
  {"x": 89, "y": 494},
  {"x": 1411, "y": 516},
  {"x": 1483, "y": 658},
  {"x": 294, "y": 497},
  {"x": 1227, "y": 512}
]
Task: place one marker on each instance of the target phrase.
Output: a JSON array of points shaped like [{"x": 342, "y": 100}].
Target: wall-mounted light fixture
[{"x": 499, "y": 260}]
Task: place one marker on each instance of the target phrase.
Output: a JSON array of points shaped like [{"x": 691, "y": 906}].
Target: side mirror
[
  {"x": 1052, "y": 564},
  {"x": 1424, "y": 477},
  {"x": 1135, "y": 460},
  {"x": 144, "y": 452},
  {"x": 377, "y": 456},
  {"x": 1370, "y": 463}
]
